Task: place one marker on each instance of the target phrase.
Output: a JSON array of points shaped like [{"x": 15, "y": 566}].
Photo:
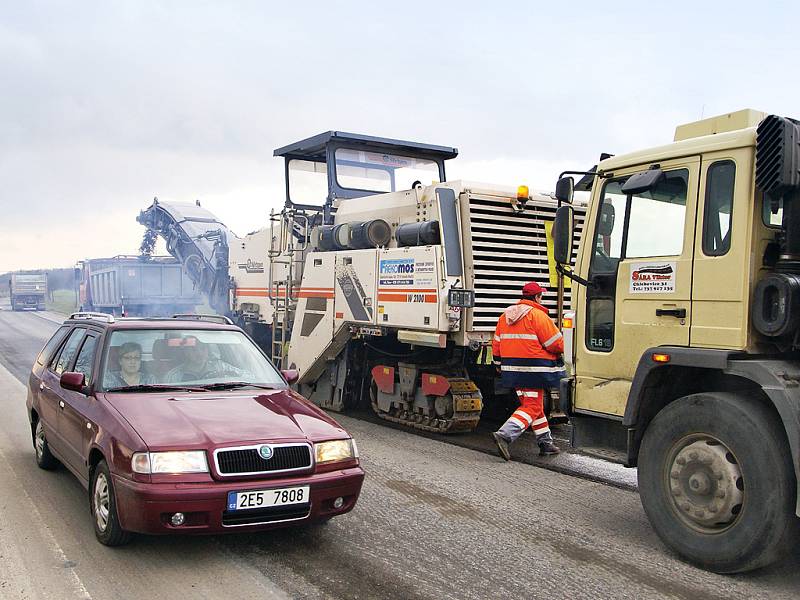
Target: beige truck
[{"x": 682, "y": 346}]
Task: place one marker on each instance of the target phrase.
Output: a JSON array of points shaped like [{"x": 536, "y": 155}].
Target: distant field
[{"x": 64, "y": 302}]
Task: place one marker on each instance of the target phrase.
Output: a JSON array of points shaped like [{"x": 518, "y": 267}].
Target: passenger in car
[
  {"x": 129, "y": 358},
  {"x": 199, "y": 365}
]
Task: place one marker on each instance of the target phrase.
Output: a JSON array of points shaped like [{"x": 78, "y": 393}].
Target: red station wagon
[{"x": 184, "y": 426}]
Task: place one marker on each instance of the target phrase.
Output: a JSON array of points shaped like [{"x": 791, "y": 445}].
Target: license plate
[{"x": 267, "y": 498}]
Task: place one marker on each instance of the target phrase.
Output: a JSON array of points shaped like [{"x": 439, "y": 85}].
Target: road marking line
[{"x": 8, "y": 380}]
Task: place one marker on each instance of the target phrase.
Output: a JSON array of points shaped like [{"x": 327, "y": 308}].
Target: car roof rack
[
  {"x": 210, "y": 318},
  {"x": 92, "y": 316}
]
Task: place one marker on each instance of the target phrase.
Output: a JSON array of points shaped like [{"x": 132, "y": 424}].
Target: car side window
[
  {"x": 50, "y": 346},
  {"x": 85, "y": 361},
  {"x": 68, "y": 351}
]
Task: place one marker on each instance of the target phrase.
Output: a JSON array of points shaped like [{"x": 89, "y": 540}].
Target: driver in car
[{"x": 199, "y": 365}]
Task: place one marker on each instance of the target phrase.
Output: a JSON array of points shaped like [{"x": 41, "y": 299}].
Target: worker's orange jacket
[{"x": 527, "y": 345}]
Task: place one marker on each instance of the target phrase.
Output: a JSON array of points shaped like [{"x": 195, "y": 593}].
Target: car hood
[{"x": 212, "y": 419}]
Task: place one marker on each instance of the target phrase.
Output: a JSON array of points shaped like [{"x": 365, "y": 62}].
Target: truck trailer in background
[
  {"x": 28, "y": 291},
  {"x": 135, "y": 286}
]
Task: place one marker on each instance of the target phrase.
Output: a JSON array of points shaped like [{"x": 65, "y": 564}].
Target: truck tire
[{"x": 717, "y": 482}]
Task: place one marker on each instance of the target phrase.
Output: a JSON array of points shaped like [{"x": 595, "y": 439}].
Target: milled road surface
[{"x": 434, "y": 520}]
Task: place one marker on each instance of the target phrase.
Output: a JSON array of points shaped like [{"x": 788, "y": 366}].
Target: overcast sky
[{"x": 107, "y": 104}]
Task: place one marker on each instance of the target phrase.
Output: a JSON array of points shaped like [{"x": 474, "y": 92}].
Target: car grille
[
  {"x": 265, "y": 515},
  {"x": 240, "y": 461}
]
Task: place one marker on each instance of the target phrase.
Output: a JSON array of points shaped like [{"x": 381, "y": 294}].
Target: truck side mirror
[
  {"x": 606, "y": 219},
  {"x": 562, "y": 234},
  {"x": 564, "y": 189}
]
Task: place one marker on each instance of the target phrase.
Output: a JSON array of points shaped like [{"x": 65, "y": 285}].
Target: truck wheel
[
  {"x": 717, "y": 483},
  {"x": 103, "y": 504}
]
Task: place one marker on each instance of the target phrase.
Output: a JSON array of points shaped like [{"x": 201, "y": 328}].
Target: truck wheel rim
[
  {"x": 101, "y": 504},
  {"x": 705, "y": 484},
  {"x": 39, "y": 440}
]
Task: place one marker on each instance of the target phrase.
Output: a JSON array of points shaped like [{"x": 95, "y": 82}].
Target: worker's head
[{"x": 533, "y": 291}]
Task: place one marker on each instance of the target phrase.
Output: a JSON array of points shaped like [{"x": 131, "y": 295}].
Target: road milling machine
[
  {"x": 684, "y": 344},
  {"x": 384, "y": 283}
]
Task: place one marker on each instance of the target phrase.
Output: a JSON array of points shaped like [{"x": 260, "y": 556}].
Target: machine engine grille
[
  {"x": 509, "y": 249},
  {"x": 239, "y": 461}
]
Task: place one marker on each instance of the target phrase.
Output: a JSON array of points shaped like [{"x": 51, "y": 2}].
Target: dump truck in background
[
  {"x": 28, "y": 291},
  {"x": 136, "y": 286},
  {"x": 377, "y": 282}
]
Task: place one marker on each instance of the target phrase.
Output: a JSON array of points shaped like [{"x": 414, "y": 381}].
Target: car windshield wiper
[
  {"x": 229, "y": 385},
  {"x": 151, "y": 387}
]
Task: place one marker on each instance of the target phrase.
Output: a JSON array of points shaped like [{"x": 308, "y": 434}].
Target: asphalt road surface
[{"x": 435, "y": 520}]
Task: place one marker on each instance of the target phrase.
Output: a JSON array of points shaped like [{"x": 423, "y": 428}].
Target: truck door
[{"x": 640, "y": 262}]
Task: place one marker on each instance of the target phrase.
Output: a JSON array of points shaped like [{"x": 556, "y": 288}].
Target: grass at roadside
[{"x": 64, "y": 302}]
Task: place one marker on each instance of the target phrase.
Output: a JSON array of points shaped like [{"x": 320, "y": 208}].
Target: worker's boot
[
  {"x": 548, "y": 448},
  {"x": 546, "y": 445},
  {"x": 502, "y": 446}
]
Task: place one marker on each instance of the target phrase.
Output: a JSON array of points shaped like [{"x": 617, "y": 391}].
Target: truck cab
[{"x": 682, "y": 342}]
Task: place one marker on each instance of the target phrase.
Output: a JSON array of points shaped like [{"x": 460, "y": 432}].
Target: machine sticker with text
[
  {"x": 423, "y": 273},
  {"x": 396, "y": 271},
  {"x": 653, "y": 278}
]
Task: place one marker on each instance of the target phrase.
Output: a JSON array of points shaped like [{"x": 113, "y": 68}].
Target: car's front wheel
[
  {"x": 103, "y": 503},
  {"x": 44, "y": 458}
]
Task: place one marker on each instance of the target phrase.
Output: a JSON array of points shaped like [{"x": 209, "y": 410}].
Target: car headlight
[
  {"x": 335, "y": 450},
  {"x": 190, "y": 461}
]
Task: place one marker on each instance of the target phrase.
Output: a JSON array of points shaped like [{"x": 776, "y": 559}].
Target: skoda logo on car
[{"x": 265, "y": 452}]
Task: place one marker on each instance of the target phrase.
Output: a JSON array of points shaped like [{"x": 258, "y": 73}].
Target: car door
[
  {"x": 51, "y": 394},
  {"x": 640, "y": 265},
  {"x": 76, "y": 424},
  {"x": 36, "y": 379}
]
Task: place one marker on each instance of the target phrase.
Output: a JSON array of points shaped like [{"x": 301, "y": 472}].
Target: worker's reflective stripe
[
  {"x": 552, "y": 339},
  {"x": 528, "y": 394},
  {"x": 542, "y": 430},
  {"x": 521, "y": 369},
  {"x": 517, "y": 336},
  {"x": 517, "y": 421},
  {"x": 496, "y": 338},
  {"x": 539, "y": 422},
  {"x": 524, "y": 416}
]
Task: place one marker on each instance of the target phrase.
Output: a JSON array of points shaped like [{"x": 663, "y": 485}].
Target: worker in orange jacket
[{"x": 526, "y": 347}]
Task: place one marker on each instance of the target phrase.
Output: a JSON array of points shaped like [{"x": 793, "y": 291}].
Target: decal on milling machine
[
  {"x": 357, "y": 300},
  {"x": 251, "y": 266}
]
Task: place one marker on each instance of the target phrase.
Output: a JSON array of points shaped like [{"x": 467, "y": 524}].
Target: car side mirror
[
  {"x": 75, "y": 382},
  {"x": 562, "y": 235},
  {"x": 565, "y": 187},
  {"x": 290, "y": 375}
]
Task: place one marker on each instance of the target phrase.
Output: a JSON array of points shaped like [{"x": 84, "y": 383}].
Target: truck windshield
[
  {"x": 375, "y": 172},
  {"x": 198, "y": 358}
]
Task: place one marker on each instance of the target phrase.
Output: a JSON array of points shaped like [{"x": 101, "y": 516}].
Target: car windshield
[{"x": 143, "y": 359}]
